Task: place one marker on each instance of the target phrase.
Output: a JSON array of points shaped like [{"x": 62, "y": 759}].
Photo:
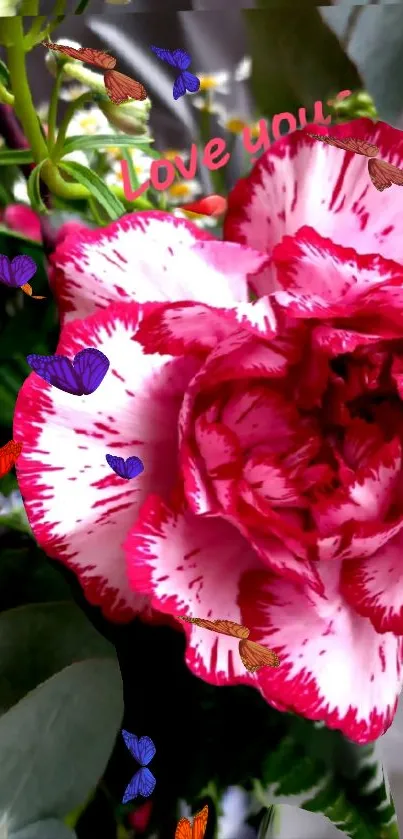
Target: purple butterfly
[
  {"x": 127, "y": 469},
  {"x": 143, "y": 782},
  {"x": 180, "y": 59},
  {"x": 16, "y": 273},
  {"x": 81, "y": 376}
]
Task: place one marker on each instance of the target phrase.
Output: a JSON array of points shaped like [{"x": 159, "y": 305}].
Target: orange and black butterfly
[
  {"x": 185, "y": 830},
  {"x": 9, "y": 455},
  {"x": 120, "y": 88},
  {"x": 253, "y": 656},
  {"x": 382, "y": 174}
]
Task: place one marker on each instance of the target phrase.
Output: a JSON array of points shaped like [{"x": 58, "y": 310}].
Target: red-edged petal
[
  {"x": 184, "y": 326},
  {"x": 321, "y": 279},
  {"x": 193, "y": 566},
  {"x": 150, "y": 256},
  {"x": 303, "y": 181},
  {"x": 367, "y": 496},
  {"x": 334, "y": 667},
  {"x": 79, "y": 510},
  {"x": 20, "y": 217},
  {"x": 374, "y": 587}
]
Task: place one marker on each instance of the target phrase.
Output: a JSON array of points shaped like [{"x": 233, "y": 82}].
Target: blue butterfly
[
  {"x": 127, "y": 469},
  {"x": 180, "y": 59},
  {"x": 143, "y": 782},
  {"x": 82, "y": 376}
]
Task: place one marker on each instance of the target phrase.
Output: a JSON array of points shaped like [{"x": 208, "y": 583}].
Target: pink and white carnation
[{"x": 271, "y": 431}]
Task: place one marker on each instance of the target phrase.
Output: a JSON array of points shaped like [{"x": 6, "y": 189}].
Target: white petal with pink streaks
[
  {"x": 334, "y": 667},
  {"x": 193, "y": 566},
  {"x": 79, "y": 510},
  {"x": 374, "y": 587},
  {"x": 300, "y": 181},
  {"x": 151, "y": 256}
]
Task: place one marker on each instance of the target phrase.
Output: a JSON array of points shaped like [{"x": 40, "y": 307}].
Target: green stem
[
  {"x": 52, "y": 111},
  {"x": 6, "y": 98},
  {"x": 28, "y": 8},
  {"x": 23, "y": 104},
  {"x": 81, "y": 7},
  {"x": 70, "y": 111}
]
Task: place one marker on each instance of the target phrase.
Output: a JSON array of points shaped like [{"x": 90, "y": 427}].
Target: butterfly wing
[
  {"x": 17, "y": 272},
  {"x": 27, "y": 289},
  {"x": 200, "y": 823},
  {"x": 349, "y": 144},
  {"x": 224, "y": 627},
  {"x": 121, "y": 88},
  {"x": 23, "y": 268},
  {"x": 255, "y": 655},
  {"x": 8, "y": 456},
  {"x": 142, "y": 783},
  {"x": 117, "y": 464},
  {"x": 179, "y": 87},
  {"x": 176, "y": 58},
  {"x": 133, "y": 467},
  {"x": 99, "y": 58},
  {"x": 142, "y": 749},
  {"x": 183, "y": 829},
  {"x": 383, "y": 174},
  {"x": 57, "y": 370},
  {"x": 191, "y": 82},
  {"x": 91, "y": 367}
]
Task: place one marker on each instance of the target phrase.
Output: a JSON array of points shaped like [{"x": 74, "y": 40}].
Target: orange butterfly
[
  {"x": 185, "y": 830},
  {"x": 253, "y": 656},
  {"x": 8, "y": 456},
  {"x": 382, "y": 174},
  {"x": 120, "y": 88}
]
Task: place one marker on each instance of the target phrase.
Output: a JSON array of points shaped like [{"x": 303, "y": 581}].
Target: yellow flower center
[
  {"x": 208, "y": 83},
  {"x": 235, "y": 125},
  {"x": 179, "y": 190},
  {"x": 89, "y": 125}
]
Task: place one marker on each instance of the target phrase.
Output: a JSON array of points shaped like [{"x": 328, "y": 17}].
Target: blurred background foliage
[{"x": 68, "y": 774}]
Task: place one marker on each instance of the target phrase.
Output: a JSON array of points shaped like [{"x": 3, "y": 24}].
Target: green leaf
[
  {"x": 27, "y": 576},
  {"x": 34, "y": 189},
  {"x": 15, "y": 157},
  {"x": 296, "y": 59},
  {"x": 16, "y": 234},
  {"x": 45, "y": 829},
  {"x": 55, "y": 743},
  {"x": 102, "y": 141},
  {"x": 40, "y": 639},
  {"x": 331, "y": 776},
  {"x": 97, "y": 187}
]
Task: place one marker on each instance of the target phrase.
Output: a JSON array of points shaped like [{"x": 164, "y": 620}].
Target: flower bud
[{"x": 131, "y": 117}]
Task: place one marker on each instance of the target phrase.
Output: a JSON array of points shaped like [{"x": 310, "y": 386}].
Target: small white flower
[
  {"x": 243, "y": 70},
  {"x": 214, "y": 82},
  {"x": 20, "y": 191},
  {"x": 232, "y": 122},
  {"x": 181, "y": 192},
  {"x": 142, "y": 165},
  {"x": 71, "y": 91},
  {"x": 207, "y": 104},
  {"x": 170, "y": 154},
  {"x": 88, "y": 121}
]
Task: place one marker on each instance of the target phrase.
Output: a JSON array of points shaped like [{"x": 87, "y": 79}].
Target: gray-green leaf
[
  {"x": 38, "y": 640},
  {"x": 55, "y": 743},
  {"x": 46, "y": 829}
]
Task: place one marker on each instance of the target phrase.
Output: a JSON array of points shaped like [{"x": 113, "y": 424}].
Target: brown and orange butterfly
[
  {"x": 120, "y": 88},
  {"x": 382, "y": 174},
  {"x": 9, "y": 454},
  {"x": 197, "y": 830},
  {"x": 253, "y": 655}
]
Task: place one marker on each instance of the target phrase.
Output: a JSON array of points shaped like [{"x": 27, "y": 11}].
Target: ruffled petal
[
  {"x": 150, "y": 256},
  {"x": 303, "y": 181},
  {"x": 79, "y": 510},
  {"x": 374, "y": 587},
  {"x": 334, "y": 667},
  {"x": 192, "y": 566}
]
